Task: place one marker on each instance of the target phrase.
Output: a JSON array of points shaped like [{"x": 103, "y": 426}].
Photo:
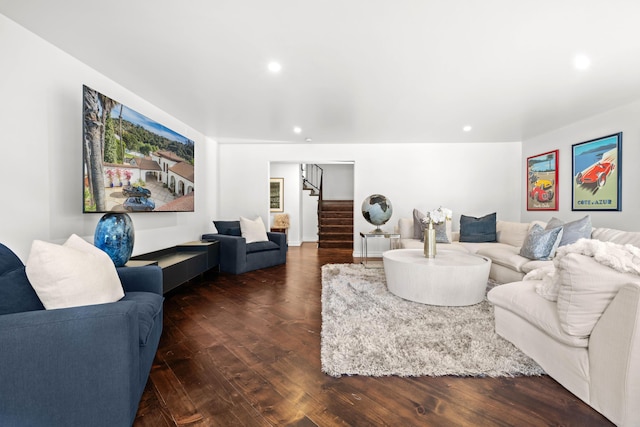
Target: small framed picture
[
  {"x": 276, "y": 195},
  {"x": 542, "y": 182},
  {"x": 597, "y": 174}
]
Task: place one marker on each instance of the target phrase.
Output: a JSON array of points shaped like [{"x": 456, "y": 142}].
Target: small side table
[{"x": 394, "y": 243}]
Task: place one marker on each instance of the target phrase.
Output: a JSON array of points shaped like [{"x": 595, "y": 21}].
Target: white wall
[
  {"x": 309, "y": 210},
  {"x": 624, "y": 119},
  {"x": 337, "y": 182},
  {"x": 292, "y": 183},
  {"x": 470, "y": 178},
  {"x": 41, "y": 125}
]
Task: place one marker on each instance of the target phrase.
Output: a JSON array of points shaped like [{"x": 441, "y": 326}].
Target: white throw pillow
[
  {"x": 72, "y": 275},
  {"x": 586, "y": 289},
  {"x": 253, "y": 230}
]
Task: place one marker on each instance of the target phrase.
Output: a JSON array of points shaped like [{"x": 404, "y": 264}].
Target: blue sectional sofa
[
  {"x": 237, "y": 256},
  {"x": 80, "y": 366}
]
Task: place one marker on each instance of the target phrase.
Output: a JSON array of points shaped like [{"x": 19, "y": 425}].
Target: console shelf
[{"x": 181, "y": 263}]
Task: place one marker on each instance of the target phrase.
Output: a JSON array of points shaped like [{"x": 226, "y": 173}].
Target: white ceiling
[{"x": 356, "y": 70}]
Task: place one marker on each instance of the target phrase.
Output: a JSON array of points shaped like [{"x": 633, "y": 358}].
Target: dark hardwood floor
[{"x": 245, "y": 350}]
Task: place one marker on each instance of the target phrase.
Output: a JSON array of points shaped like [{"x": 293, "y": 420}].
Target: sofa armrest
[
  {"x": 72, "y": 366},
  {"x": 279, "y": 239},
  {"x": 614, "y": 358},
  {"x": 141, "y": 279},
  {"x": 233, "y": 252}
]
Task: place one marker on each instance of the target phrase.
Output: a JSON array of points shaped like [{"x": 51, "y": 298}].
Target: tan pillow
[
  {"x": 405, "y": 228},
  {"x": 511, "y": 233},
  {"x": 72, "y": 275},
  {"x": 586, "y": 289}
]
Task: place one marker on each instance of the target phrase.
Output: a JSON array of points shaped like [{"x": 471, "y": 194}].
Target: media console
[{"x": 181, "y": 263}]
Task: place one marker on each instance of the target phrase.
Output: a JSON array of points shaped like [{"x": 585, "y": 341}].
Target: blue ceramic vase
[{"x": 114, "y": 235}]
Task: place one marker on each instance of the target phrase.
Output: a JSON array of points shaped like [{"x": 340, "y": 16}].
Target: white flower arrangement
[{"x": 438, "y": 216}]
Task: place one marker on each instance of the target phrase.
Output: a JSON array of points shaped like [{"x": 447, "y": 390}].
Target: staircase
[
  {"x": 335, "y": 217},
  {"x": 335, "y": 224}
]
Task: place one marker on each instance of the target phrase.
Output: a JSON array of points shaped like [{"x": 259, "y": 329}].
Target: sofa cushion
[
  {"x": 511, "y": 233},
  {"x": 16, "y": 293},
  {"x": 531, "y": 265},
  {"x": 411, "y": 244},
  {"x": 586, "y": 289},
  {"x": 74, "y": 274},
  {"x": 541, "y": 244},
  {"x": 617, "y": 236},
  {"x": 405, "y": 228},
  {"x": 572, "y": 231},
  {"x": 149, "y": 306},
  {"x": 521, "y": 298},
  {"x": 477, "y": 230},
  {"x": 253, "y": 230},
  {"x": 261, "y": 247},
  {"x": 228, "y": 228},
  {"x": 474, "y": 248},
  {"x": 503, "y": 254}
]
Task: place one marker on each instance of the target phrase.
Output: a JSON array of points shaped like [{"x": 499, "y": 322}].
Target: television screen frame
[{"x": 135, "y": 163}]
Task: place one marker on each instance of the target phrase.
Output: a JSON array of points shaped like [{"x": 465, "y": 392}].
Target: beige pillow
[
  {"x": 253, "y": 230},
  {"x": 72, "y": 275},
  {"x": 586, "y": 289},
  {"x": 511, "y": 233}
]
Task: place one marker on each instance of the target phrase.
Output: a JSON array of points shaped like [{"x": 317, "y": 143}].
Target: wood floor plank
[
  {"x": 245, "y": 350},
  {"x": 174, "y": 396}
]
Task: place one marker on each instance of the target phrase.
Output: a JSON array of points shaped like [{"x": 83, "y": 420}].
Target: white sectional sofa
[
  {"x": 506, "y": 263},
  {"x": 577, "y": 316}
]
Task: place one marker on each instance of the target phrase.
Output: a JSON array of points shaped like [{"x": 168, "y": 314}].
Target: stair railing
[{"x": 312, "y": 178}]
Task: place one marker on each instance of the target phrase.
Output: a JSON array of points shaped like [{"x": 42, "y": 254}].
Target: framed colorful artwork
[
  {"x": 597, "y": 174},
  {"x": 276, "y": 195},
  {"x": 542, "y": 182}
]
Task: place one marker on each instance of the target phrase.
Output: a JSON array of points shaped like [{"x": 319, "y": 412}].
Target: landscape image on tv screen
[{"x": 132, "y": 163}]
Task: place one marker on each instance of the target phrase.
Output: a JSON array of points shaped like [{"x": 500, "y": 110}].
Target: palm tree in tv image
[
  {"x": 93, "y": 151},
  {"x": 99, "y": 141}
]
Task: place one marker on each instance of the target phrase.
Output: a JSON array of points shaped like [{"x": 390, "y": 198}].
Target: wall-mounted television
[{"x": 132, "y": 163}]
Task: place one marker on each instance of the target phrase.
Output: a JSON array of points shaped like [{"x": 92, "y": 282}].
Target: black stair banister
[{"x": 312, "y": 178}]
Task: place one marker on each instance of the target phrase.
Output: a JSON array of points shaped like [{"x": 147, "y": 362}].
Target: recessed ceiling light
[
  {"x": 274, "y": 67},
  {"x": 467, "y": 128},
  {"x": 581, "y": 62},
  {"x": 297, "y": 129}
]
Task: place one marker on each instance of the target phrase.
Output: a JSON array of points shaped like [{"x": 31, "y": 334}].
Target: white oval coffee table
[{"x": 452, "y": 278}]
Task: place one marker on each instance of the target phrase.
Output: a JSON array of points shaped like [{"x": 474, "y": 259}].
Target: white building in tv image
[{"x": 176, "y": 173}]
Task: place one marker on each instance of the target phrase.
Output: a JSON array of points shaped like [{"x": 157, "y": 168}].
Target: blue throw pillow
[
  {"x": 541, "y": 244},
  {"x": 229, "y": 228},
  {"x": 8, "y": 260},
  {"x": 17, "y": 294},
  {"x": 478, "y": 230}
]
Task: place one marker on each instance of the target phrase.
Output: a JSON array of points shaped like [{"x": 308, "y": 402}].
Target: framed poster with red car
[
  {"x": 597, "y": 176},
  {"x": 542, "y": 182}
]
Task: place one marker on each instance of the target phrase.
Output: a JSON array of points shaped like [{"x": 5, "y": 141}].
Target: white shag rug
[{"x": 366, "y": 330}]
